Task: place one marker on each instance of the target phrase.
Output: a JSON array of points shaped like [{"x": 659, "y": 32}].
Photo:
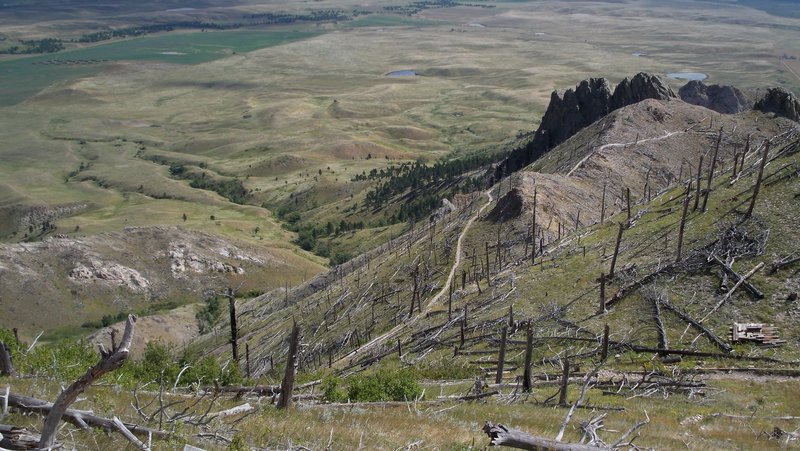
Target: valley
[{"x": 451, "y": 200}]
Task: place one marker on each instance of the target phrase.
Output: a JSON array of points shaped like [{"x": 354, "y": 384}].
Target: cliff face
[
  {"x": 722, "y": 99},
  {"x": 577, "y": 108},
  {"x": 781, "y": 102}
]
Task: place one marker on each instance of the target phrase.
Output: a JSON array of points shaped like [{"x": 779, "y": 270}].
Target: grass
[{"x": 26, "y": 76}]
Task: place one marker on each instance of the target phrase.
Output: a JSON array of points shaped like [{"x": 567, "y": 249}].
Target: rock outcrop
[
  {"x": 722, "y": 99},
  {"x": 577, "y": 108},
  {"x": 781, "y": 102}
]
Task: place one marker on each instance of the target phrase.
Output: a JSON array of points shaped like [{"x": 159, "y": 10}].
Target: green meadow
[{"x": 23, "y": 77}]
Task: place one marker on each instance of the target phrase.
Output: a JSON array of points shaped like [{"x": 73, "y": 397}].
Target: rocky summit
[
  {"x": 781, "y": 102},
  {"x": 722, "y": 99}
]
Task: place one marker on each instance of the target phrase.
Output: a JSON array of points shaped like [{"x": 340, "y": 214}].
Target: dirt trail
[
  {"x": 429, "y": 305},
  {"x": 609, "y": 145}
]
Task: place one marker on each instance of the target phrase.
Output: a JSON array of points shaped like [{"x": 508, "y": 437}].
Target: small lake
[
  {"x": 690, "y": 76},
  {"x": 401, "y": 73}
]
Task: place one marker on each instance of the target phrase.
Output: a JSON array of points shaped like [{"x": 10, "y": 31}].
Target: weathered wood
[
  {"x": 682, "y": 226},
  {"x": 234, "y": 329},
  {"x": 603, "y": 206},
  {"x": 628, "y": 199},
  {"x": 6, "y": 366},
  {"x": 129, "y": 435},
  {"x": 711, "y": 172},
  {"x": 706, "y": 331},
  {"x": 747, "y": 285},
  {"x": 604, "y": 352},
  {"x": 732, "y": 290},
  {"x": 616, "y": 250},
  {"x": 500, "y": 435},
  {"x": 699, "y": 177},
  {"x": 562, "y": 396},
  {"x": 17, "y": 438},
  {"x": 779, "y": 264},
  {"x": 287, "y": 386},
  {"x": 109, "y": 361},
  {"x": 602, "y": 307},
  {"x": 757, "y": 188},
  {"x": 502, "y": 358},
  {"x": 526, "y": 375},
  {"x": 79, "y": 418}
]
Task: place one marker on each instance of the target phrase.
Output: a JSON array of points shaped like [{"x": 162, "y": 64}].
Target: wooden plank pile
[{"x": 764, "y": 334}]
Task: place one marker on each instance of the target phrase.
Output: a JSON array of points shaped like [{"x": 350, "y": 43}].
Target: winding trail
[
  {"x": 429, "y": 305},
  {"x": 609, "y": 145}
]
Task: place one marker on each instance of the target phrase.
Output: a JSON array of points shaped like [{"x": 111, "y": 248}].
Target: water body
[
  {"x": 690, "y": 76},
  {"x": 401, "y": 73}
]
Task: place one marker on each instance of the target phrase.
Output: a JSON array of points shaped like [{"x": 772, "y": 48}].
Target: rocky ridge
[
  {"x": 574, "y": 109},
  {"x": 781, "y": 102},
  {"x": 723, "y": 99}
]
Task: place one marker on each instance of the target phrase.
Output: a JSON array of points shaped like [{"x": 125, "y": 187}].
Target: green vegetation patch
[{"x": 24, "y": 77}]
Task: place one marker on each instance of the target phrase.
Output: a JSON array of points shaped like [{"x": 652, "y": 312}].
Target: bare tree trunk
[
  {"x": 287, "y": 386},
  {"x": 526, "y": 375},
  {"x": 758, "y": 181},
  {"x": 699, "y": 176},
  {"x": 501, "y": 435},
  {"x": 616, "y": 250},
  {"x": 562, "y": 396},
  {"x": 604, "y": 352},
  {"x": 711, "y": 172},
  {"x": 502, "y": 358},
  {"x": 12, "y": 437},
  {"x": 6, "y": 367},
  {"x": 602, "y": 307},
  {"x": 109, "y": 361},
  {"x": 234, "y": 329},
  {"x": 683, "y": 221},
  {"x": 603, "y": 206}
]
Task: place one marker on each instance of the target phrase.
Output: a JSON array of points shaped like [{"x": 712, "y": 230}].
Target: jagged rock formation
[
  {"x": 722, "y": 99},
  {"x": 577, "y": 108},
  {"x": 781, "y": 102}
]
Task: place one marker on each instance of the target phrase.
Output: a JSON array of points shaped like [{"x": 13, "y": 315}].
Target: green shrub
[
  {"x": 332, "y": 390},
  {"x": 385, "y": 385}
]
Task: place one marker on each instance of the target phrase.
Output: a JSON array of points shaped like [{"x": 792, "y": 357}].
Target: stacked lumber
[{"x": 764, "y": 334}]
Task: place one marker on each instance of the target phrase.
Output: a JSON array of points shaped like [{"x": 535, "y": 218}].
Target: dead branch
[
  {"x": 500, "y": 435},
  {"x": 109, "y": 361},
  {"x": 13, "y": 437}
]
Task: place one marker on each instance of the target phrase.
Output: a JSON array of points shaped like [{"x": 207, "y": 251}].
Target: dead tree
[
  {"x": 682, "y": 227},
  {"x": 526, "y": 375},
  {"x": 603, "y": 206},
  {"x": 628, "y": 199},
  {"x": 533, "y": 230},
  {"x": 109, "y": 361},
  {"x": 699, "y": 176},
  {"x": 711, "y": 172},
  {"x": 287, "y": 386},
  {"x": 616, "y": 250},
  {"x": 604, "y": 349},
  {"x": 562, "y": 396},
  {"x": 501, "y": 435},
  {"x": 602, "y": 307},
  {"x": 758, "y": 181},
  {"x": 234, "y": 329},
  {"x": 502, "y": 357},
  {"x": 12, "y": 437},
  {"x": 6, "y": 367}
]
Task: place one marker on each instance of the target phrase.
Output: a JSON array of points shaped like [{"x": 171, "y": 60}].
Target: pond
[
  {"x": 690, "y": 76},
  {"x": 401, "y": 73}
]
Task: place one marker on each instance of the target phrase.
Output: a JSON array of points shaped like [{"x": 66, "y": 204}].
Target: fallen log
[
  {"x": 725, "y": 347},
  {"x": 500, "y": 435},
  {"x": 79, "y": 418},
  {"x": 13, "y": 437},
  {"x": 747, "y": 285}
]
